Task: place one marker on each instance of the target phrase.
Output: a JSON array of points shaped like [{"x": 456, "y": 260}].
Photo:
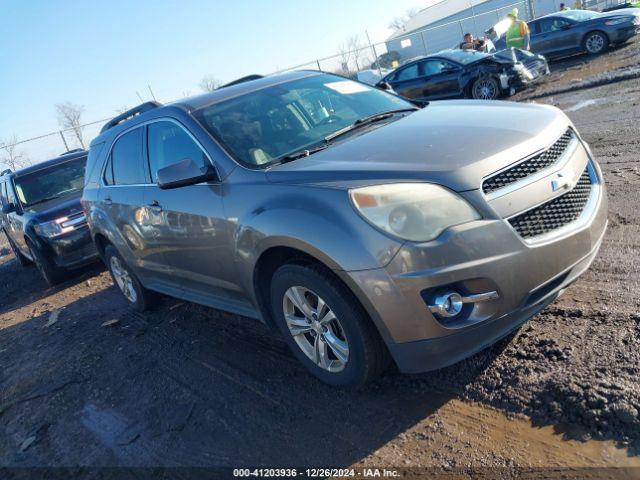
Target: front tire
[
  {"x": 325, "y": 327},
  {"x": 595, "y": 43},
  {"x": 485, "y": 88},
  {"x": 22, "y": 260},
  {"x": 138, "y": 297},
  {"x": 52, "y": 275}
]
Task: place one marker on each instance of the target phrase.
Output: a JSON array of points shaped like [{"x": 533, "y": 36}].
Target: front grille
[
  {"x": 556, "y": 213},
  {"x": 529, "y": 166}
]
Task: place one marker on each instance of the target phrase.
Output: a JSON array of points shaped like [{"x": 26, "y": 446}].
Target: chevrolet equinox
[{"x": 362, "y": 227}]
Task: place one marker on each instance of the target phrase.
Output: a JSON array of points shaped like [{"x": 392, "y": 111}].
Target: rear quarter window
[
  {"x": 93, "y": 164},
  {"x": 126, "y": 160}
]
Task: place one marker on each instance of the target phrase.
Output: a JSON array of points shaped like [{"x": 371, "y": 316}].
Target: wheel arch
[
  {"x": 276, "y": 256},
  {"x": 595, "y": 30}
]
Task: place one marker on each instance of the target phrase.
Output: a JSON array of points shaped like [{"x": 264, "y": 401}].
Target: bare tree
[
  {"x": 398, "y": 23},
  {"x": 10, "y": 155},
  {"x": 209, "y": 83},
  {"x": 359, "y": 52},
  {"x": 69, "y": 117},
  {"x": 345, "y": 60}
]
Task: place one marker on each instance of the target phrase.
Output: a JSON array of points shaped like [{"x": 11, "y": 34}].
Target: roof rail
[
  {"x": 123, "y": 117},
  {"x": 75, "y": 150},
  {"x": 248, "y": 78},
  {"x": 4, "y": 172}
]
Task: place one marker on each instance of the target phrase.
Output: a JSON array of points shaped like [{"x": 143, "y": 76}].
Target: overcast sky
[{"x": 98, "y": 54}]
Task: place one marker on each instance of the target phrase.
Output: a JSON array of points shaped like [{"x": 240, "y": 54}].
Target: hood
[
  {"x": 622, "y": 12},
  {"x": 60, "y": 207},
  {"x": 453, "y": 143}
]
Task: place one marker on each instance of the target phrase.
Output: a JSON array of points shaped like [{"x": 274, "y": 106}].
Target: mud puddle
[{"x": 481, "y": 436}]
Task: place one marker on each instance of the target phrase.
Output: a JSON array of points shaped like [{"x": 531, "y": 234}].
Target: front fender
[{"x": 320, "y": 222}]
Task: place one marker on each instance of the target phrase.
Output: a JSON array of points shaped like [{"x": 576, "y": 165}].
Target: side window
[
  {"x": 551, "y": 25},
  {"x": 126, "y": 160},
  {"x": 559, "y": 23},
  {"x": 433, "y": 67},
  {"x": 3, "y": 193},
  {"x": 168, "y": 143},
  {"x": 408, "y": 73},
  {"x": 10, "y": 196}
]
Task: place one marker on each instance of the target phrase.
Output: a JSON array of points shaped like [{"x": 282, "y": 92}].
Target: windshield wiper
[
  {"x": 301, "y": 154},
  {"x": 361, "y": 122},
  {"x": 43, "y": 200}
]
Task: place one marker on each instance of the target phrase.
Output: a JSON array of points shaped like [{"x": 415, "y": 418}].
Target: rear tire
[
  {"x": 24, "y": 261},
  {"x": 485, "y": 88},
  {"x": 595, "y": 43},
  {"x": 347, "y": 350},
  {"x": 138, "y": 297},
  {"x": 52, "y": 275}
]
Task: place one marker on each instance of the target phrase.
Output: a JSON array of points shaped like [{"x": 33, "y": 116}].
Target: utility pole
[
  {"x": 375, "y": 54},
  {"x": 64, "y": 140}
]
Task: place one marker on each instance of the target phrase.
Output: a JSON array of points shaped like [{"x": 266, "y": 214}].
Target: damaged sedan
[{"x": 466, "y": 74}]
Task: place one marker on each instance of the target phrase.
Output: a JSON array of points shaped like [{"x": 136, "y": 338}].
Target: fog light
[
  {"x": 450, "y": 304},
  {"x": 447, "y": 305}
]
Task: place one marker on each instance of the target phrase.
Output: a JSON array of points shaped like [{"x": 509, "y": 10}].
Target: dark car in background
[
  {"x": 578, "y": 31},
  {"x": 42, "y": 216},
  {"x": 465, "y": 74}
]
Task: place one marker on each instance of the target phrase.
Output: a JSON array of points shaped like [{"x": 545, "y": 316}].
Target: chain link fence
[{"x": 367, "y": 62}]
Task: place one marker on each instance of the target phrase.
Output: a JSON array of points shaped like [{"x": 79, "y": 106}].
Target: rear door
[{"x": 120, "y": 197}]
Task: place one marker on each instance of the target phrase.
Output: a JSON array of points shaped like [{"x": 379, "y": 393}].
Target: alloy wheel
[
  {"x": 485, "y": 90},
  {"x": 123, "y": 279},
  {"x": 315, "y": 329},
  {"x": 595, "y": 43}
]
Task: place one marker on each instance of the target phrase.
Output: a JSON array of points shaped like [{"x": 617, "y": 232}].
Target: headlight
[
  {"x": 412, "y": 211},
  {"x": 617, "y": 21},
  {"x": 58, "y": 226}
]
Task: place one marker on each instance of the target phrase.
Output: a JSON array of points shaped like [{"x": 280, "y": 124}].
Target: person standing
[
  {"x": 518, "y": 35},
  {"x": 563, "y": 7}
]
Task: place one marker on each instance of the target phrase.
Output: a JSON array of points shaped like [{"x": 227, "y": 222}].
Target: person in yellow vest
[{"x": 518, "y": 35}]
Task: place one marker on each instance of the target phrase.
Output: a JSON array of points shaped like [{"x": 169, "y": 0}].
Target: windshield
[
  {"x": 260, "y": 127},
  {"x": 465, "y": 57},
  {"x": 580, "y": 15},
  {"x": 50, "y": 183}
]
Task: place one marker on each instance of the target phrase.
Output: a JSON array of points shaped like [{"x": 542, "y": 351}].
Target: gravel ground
[{"x": 84, "y": 381}]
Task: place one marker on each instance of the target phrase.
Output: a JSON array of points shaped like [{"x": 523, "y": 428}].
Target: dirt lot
[{"x": 98, "y": 385}]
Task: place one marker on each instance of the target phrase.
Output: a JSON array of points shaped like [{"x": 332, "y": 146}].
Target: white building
[{"x": 443, "y": 25}]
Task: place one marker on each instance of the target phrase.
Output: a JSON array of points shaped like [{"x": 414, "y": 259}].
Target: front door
[
  {"x": 191, "y": 229},
  {"x": 441, "y": 80}
]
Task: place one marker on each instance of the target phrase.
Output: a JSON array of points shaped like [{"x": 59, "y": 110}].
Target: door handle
[
  {"x": 155, "y": 206},
  {"x": 108, "y": 201}
]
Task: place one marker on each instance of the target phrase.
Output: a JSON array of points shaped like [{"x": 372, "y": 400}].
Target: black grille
[
  {"x": 530, "y": 166},
  {"x": 554, "y": 214}
]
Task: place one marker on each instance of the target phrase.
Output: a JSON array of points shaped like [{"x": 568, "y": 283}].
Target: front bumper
[
  {"x": 621, "y": 35},
  {"x": 477, "y": 257},
  {"x": 72, "y": 250}
]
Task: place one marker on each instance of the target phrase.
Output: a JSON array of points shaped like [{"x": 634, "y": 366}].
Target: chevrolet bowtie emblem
[{"x": 563, "y": 181}]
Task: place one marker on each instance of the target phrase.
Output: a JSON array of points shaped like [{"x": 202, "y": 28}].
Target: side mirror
[
  {"x": 8, "y": 208},
  {"x": 184, "y": 173},
  {"x": 385, "y": 86}
]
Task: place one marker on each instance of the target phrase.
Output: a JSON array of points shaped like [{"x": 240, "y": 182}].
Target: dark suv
[
  {"x": 42, "y": 216},
  {"x": 355, "y": 222}
]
